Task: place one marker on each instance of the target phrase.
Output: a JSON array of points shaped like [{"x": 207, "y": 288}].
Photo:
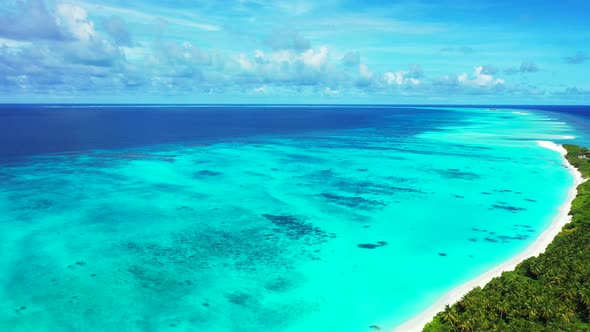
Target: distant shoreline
[{"x": 418, "y": 322}]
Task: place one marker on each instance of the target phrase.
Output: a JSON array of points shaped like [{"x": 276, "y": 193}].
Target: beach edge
[{"x": 417, "y": 323}]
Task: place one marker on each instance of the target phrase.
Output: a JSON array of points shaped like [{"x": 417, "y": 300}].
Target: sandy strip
[{"x": 536, "y": 248}]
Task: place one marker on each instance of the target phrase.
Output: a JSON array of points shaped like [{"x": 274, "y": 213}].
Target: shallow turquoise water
[{"x": 262, "y": 233}]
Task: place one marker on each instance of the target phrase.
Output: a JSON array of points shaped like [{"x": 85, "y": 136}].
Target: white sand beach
[{"x": 417, "y": 323}]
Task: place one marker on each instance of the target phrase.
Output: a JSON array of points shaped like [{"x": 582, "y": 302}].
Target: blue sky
[{"x": 299, "y": 51}]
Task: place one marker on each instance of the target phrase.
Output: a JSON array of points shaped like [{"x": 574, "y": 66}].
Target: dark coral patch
[
  {"x": 369, "y": 187},
  {"x": 41, "y": 204},
  {"x": 18, "y": 310},
  {"x": 507, "y": 207},
  {"x": 303, "y": 158},
  {"x": 297, "y": 229},
  {"x": 368, "y": 245},
  {"x": 240, "y": 298},
  {"x": 455, "y": 173},
  {"x": 517, "y": 237},
  {"x": 279, "y": 285},
  {"x": 353, "y": 201},
  {"x": 206, "y": 172},
  {"x": 371, "y": 245}
]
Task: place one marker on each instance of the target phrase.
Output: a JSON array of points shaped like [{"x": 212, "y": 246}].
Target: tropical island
[{"x": 550, "y": 292}]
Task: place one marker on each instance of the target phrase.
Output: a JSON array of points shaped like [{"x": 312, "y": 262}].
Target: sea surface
[{"x": 264, "y": 218}]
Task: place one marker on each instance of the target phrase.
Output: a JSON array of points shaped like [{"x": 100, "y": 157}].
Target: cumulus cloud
[
  {"x": 117, "y": 29},
  {"x": 96, "y": 52},
  {"x": 575, "y": 91},
  {"x": 46, "y": 68},
  {"x": 287, "y": 67},
  {"x": 351, "y": 59},
  {"x": 365, "y": 75},
  {"x": 480, "y": 79},
  {"x": 525, "y": 67},
  {"x": 578, "y": 58},
  {"x": 103, "y": 58},
  {"x": 400, "y": 78},
  {"x": 415, "y": 71},
  {"x": 476, "y": 82},
  {"x": 489, "y": 70},
  {"x": 364, "y": 71},
  {"x": 511, "y": 70},
  {"x": 528, "y": 67},
  {"x": 30, "y": 21},
  {"x": 287, "y": 39},
  {"x": 315, "y": 58},
  {"x": 67, "y": 54},
  {"x": 391, "y": 78},
  {"x": 330, "y": 92},
  {"x": 75, "y": 20},
  {"x": 172, "y": 64}
]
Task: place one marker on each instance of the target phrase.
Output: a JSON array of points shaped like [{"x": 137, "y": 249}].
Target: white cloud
[
  {"x": 245, "y": 62},
  {"x": 479, "y": 78},
  {"x": 260, "y": 90},
  {"x": 364, "y": 72},
  {"x": 315, "y": 59},
  {"x": 394, "y": 78},
  {"x": 330, "y": 92},
  {"x": 400, "y": 78},
  {"x": 578, "y": 58},
  {"x": 282, "y": 56},
  {"x": 75, "y": 20},
  {"x": 351, "y": 59}
]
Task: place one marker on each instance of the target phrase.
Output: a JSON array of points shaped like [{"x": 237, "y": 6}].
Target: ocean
[{"x": 264, "y": 218}]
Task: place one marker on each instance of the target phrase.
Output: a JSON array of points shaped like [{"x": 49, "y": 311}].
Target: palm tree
[
  {"x": 449, "y": 315},
  {"x": 503, "y": 308},
  {"x": 546, "y": 310}
]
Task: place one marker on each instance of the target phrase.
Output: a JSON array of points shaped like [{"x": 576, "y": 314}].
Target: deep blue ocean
[
  {"x": 265, "y": 218},
  {"x": 27, "y": 130}
]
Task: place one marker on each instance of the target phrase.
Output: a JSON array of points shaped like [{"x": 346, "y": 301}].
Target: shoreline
[{"x": 417, "y": 323}]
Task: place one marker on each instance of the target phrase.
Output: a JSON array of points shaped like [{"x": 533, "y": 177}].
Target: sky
[{"x": 298, "y": 51}]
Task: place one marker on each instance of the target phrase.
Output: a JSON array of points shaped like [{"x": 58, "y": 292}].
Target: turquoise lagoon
[{"x": 322, "y": 230}]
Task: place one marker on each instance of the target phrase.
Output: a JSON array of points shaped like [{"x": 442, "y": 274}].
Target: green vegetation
[{"x": 550, "y": 292}]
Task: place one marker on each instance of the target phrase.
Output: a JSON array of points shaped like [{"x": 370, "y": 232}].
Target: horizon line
[{"x": 289, "y": 104}]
